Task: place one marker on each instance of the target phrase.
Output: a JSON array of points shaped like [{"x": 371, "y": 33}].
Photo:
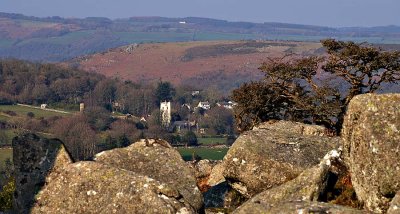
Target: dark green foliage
[
  {"x": 294, "y": 90},
  {"x": 30, "y": 114},
  {"x": 190, "y": 138},
  {"x": 164, "y": 92}
]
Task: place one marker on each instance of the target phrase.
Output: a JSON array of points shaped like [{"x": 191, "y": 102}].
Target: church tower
[{"x": 165, "y": 111}]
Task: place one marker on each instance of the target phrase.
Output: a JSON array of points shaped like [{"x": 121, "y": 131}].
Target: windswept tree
[{"x": 315, "y": 89}]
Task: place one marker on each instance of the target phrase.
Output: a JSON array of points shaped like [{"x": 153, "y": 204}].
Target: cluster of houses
[{"x": 179, "y": 126}]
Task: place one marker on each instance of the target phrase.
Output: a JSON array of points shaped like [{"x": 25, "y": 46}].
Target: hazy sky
[{"x": 315, "y": 12}]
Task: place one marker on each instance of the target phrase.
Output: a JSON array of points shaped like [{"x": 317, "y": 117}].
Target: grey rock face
[
  {"x": 158, "y": 160},
  {"x": 371, "y": 144},
  {"x": 223, "y": 196},
  {"x": 308, "y": 186},
  {"x": 272, "y": 154},
  {"x": 216, "y": 176},
  {"x": 90, "y": 187},
  {"x": 303, "y": 207},
  {"x": 395, "y": 205},
  {"x": 35, "y": 159}
]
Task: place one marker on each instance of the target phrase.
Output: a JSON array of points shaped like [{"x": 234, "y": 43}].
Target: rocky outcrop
[
  {"x": 223, "y": 196},
  {"x": 203, "y": 169},
  {"x": 395, "y": 205},
  {"x": 310, "y": 185},
  {"x": 36, "y": 161},
  {"x": 371, "y": 142},
  {"x": 303, "y": 207},
  {"x": 158, "y": 160},
  {"x": 274, "y": 153},
  {"x": 216, "y": 176},
  {"x": 90, "y": 187}
]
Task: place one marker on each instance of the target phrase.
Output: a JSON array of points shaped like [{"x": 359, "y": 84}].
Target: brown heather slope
[{"x": 224, "y": 64}]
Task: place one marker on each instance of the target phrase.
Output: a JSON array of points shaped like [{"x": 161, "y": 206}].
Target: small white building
[
  {"x": 227, "y": 105},
  {"x": 204, "y": 105},
  {"x": 182, "y": 22},
  {"x": 43, "y": 106}
]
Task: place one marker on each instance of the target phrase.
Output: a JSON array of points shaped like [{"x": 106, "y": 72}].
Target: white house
[
  {"x": 227, "y": 105},
  {"x": 43, "y": 106},
  {"x": 204, "y": 105}
]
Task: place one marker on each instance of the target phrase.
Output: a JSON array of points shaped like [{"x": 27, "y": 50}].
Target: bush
[
  {"x": 6, "y": 195},
  {"x": 190, "y": 138},
  {"x": 30, "y": 114}
]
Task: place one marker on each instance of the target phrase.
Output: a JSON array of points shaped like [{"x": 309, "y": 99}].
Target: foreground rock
[
  {"x": 371, "y": 139},
  {"x": 203, "y": 170},
  {"x": 158, "y": 160},
  {"x": 272, "y": 154},
  {"x": 216, "y": 176},
  {"x": 310, "y": 185},
  {"x": 36, "y": 161},
  {"x": 395, "y": 205},
  {"x": 89, "y": 187},
  {"x": 223, "y": 196},
  {"x": 301, "y": 207}
]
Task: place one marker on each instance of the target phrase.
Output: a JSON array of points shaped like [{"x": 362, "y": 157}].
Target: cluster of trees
[
  {"x": 97, "y": 128},
  {"x": 316, "y": 89}
]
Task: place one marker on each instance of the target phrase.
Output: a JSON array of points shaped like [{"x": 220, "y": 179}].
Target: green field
[
  {"x": 9, "y": 134},
  {"x": 22, "y": 111},
  {"x": 204, "y": 153},
  {"x": 4, "y": 155},
  {"x": 212, "y": 140}
]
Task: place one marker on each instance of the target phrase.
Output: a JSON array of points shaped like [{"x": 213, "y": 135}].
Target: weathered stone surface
[
  {"x": 34, "y": 159},
  {"x": 310, "y": 185},
  {"x": 223, "y": 196},
  {"x": 371, "y": 144},
  {"x": 216, "y": 176},
  {"x": 90, "y": 187},
  {"x": 395, "y": 205},
  {"x": 158, "y": 160},
  {"x": 272, "y": 154},
  {"x": 203, "y": 168},
  {"x": 302, "y": 207}
]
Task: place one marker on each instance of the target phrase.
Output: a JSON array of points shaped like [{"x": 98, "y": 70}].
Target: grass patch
[
  {"x": 212, "y": 140},
  {"x": 5, "y": 153},
  {"x": 22, "y": 111},
  {"x": 9, "y": 134},
  {"x": 204, "y": 153}
]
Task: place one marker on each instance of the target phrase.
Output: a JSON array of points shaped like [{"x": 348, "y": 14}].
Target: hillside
[
  {"x": 224, "y": 65},
  {"x": 57, "y": 39}
]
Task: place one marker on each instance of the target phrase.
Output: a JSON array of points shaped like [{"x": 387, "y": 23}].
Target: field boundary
[{"x": 45, "y": 109}]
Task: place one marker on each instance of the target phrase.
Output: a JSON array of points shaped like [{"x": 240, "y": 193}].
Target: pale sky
[{"x": 333, "y": 13}]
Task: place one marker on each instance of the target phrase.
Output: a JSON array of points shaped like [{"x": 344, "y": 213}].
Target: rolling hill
[
  {"x": 57, "y": 39},
  {"x": 220, "y": 64}
]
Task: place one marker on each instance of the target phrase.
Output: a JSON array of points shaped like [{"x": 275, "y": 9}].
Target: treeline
[{"x": 34, "y": 83}]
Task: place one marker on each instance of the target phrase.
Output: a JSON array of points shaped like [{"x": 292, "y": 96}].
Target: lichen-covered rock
[
  {"x": 303, "y": 207},
  {"x": 310, "y": 185},
  {"x": 371, "y": 142},
  {"x": 158, "y": 160},
  {"x": 395, "y": 205},
  {"x": 272, "y": 154},
  {"x": 90, "y": 187},
  {"x": 203, "y": 169},
  {"x": 223, "y": 196},
  {"x": 35, "y": 159},
  {"x": 216, "y": 176}
]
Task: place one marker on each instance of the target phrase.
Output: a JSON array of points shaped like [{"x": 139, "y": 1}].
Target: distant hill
[
  {"x": 223, "y": 65},
  {"x": 58, "y": 39}
]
